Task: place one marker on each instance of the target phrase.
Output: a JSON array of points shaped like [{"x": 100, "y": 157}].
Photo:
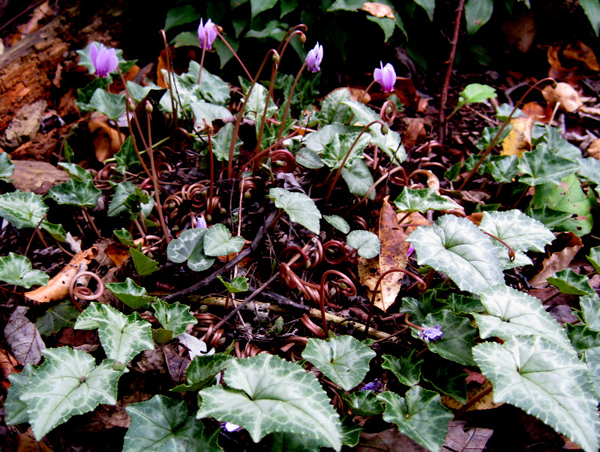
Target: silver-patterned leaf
[
  {"x": 67, "y": 383},
  {"x": 219, "y": 242},
  {"x": 16, "y": 409},
  {"x": 343, "y": 359},
  {"x": 16, "y": 269},
  {"x": 173, "y": 317},
  {"x": 458, "y": 248},
  {"x": 514, "y": 313},
  {"x": 267, "y": 394},
  {"x": 121, "y": 336},
  {"x": 22, "y": 209},
  {"x": 541, "y": 378}
]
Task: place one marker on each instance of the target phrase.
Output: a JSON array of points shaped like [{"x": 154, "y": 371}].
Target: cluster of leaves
[{"x": 549, "y": 371}]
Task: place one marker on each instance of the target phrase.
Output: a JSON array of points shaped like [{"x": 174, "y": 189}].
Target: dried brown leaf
[
  {"x": 23, "y": 337},
  {"x": 565, "y": 94},
  {"x": 28, "y": 443},
  {"x": 519, "y": 138},
  {"x": 378, "y": 10},
  {"x": 485, "y": 403},
  {"x": 107, "y": 141},
  {"x": 558, "y": 261},
  {"x": 462, "y": 439}
]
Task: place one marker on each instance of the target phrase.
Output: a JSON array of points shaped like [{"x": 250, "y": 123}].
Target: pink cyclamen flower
[
  {"x": 314, "y": 58},
  {"x": 207, "y": 34},
  {"x": 104, "y": 60},
  {"x": 386, "y": 77}
]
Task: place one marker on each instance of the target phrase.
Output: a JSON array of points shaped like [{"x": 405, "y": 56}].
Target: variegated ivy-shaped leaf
[
  {"x": 266, "y": 394},
  {"x": 16, "y": 269},
  {"x": 541, "y": 378},
  {"x": 458, "y": 248},
  {"x": 543, "y": 165},
  {"x": 202, "y": 371},
  {"x": 16, "y": 409},
  {"x": 299, "y": 207},
  {"x": 514, "y": 313},
  {"x": 517, "y": 230},
  {"x": 343, "y": 359},
  {"x": 67, "y": 383},
  {"x": 189, "y": 246},
  {"x": 7, "y": 168},
  {"x": 590, "y": 307},
  {"x": 417, "y": 200},
  {"x": 23, "y": 210},
  {"x": 420, "y": 416},
  {"x": 131, "y": 294},
  {"x": 569, "y": 282},
  {"x": 359, "y": 179},
  {"x": 162, "y": 424},
  {"x": 173, "y": 317},
  {"x": 219, "y": 242},
  {"x": 76, "y": 172},
  {"x": 76, "y": 193},
  {"x": 366, "y": 243},
  {"x": 335, "y": 151},
  {"x": 406, "y": 368},
  {"x": 121, "y": 336}
]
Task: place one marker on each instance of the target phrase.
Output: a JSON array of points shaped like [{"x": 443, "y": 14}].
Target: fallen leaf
[
  {"x": 594, "y": 149},
  {"x": 162, "y": 64},
  {"x": 23, "y": 337},
  {"x": 485, "y": 403},
  {"x": 539, "y": 113},
  {"x": 559, "y": 260},
  {"x": 7, "y": 363},
  {"x": 177, "y": 365},
  {"x": 415, "y": 131},
  {"x": 58, "y": 286},
  {"x": 112, "y": 416},
  {"x": 107, "y": 141},
  {"x": 564, "y": 94},
  {"x": 519, "y": 137},
  {"x": 390, "y": 440},
  {"x": 28, "y": 443},
  {"x": 462, "y": 439},
  {"x": 117, "y": 253},
  {"x": 34, "y": 176},
  {"x": 358, "y": 95},
  {"x": 378, "y": 10}
]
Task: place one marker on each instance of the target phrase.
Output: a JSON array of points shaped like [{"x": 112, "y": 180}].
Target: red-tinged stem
[{"x": 234, "y": 54}]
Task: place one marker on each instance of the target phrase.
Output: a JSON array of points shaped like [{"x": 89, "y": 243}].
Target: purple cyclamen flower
[
  {"x": 104, "y": 60},
  {"x": 411, "y": 249},
  {"x": 201, "y": 222},
  {"x": 207, "y": 34},
  {"x": 314, "y": 58},
  {"x": 431, "y": 334},
  {"x": 386, "y": 77}
]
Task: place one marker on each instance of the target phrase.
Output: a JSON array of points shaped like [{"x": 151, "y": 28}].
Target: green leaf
[
  {"x": 333, "y": 109},
  {"x": 57, "y": 317},
  {"x": 428, "y": 6},
  {"x": 210, "y": 112},
  {"x": 457, "y": 340},
  {"x": 448, "y": 378},
  {"x": 343, "y": 359},
  {"x": 477, "y": 13},
  {"x": 364, "y": 403},
  {"x": 298, "y": 206},
  {"x": 202, "y": 371},
  {"x": 22, "y": 209},
  {"x": 126, "y": 157},
  {"x": 336, "y": 150},
  {"x": 111, "y": 105},
  {"x": 131, "y": 199},
  {"x": 569, "y": 282},
  {"x": 514, "y": 313},
  {"x": 76, "y": 172},
  {"x": 255, "y": 106},
  {"x": 420, "y": 416},
  {"x": 162, "y": 424},
  {"x": 309, "y": 159},
  {"x": 173, "y": 317},
  {"x": 340, "y": 224},
  {"x": 189, "y": 246},
  {"x": 417, "y": 200},
  {"x": 121, "y": 336},
  {"x": 67, "y": 383},
  {"x": 475, "y": 93},
  {"x": 139, "y": 92},
  {"x": 503, "y": 168},
  {"x": 591, "y": 8},
  {"x": 366, "y": 243},
  {"x": 386, "y": 24},
  {"x": 144, "y": 266},
  {"x": 238, "y": 284},
  {"x": 16, "y": 269},
  {"x": 76, "y": 193},
  {"x": 546, "y": 381},
  {"x": 359, "y": 179},
  {"x": 222, "y": 141},
  {"x": 219, "y": 242},
  {"x": 565, "y": 197},
  {"x": 462, "y": 304},
  {"x": 458, "y": 248},
  {"x": 594, "y": 258},
  {"x": 258, "y": 6},
  {"x": 124, "y": 237},
  {"x": 55, "y": 230},
  {"x": 406, "y": 368},
  {"x": 266, "y": 394},
  {"x": 16, "y": 409},
  {"x": 543, "y": 166},
  {"x": 181, "y": 15},
  {"x": 317, "y": 141},
  {"x": 131, "y": 294},
  {"x": 7, "y": 168}
]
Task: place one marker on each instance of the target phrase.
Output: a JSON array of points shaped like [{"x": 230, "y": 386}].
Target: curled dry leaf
[
  {"x": 565, "y": 94},
  {"x": 558, "y": 261},
  {"x": 23, "y": 337},
  {"x": 107, "y": 141},
  {"x": 58, "y": 286},
  {"x": 378, "y": 10},
  {"x": 519, "y": 138},
  {"x": 415, "y": 131},
  {"x": 594, "y": 149}
]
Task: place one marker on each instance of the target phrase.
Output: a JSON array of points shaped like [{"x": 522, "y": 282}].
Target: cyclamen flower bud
[
  {"x": 104, "y": 60},
  {"x": 386, "y": 77},
  {"x": 207, "y": 34},
  {"x": 314, "y": 58}
]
